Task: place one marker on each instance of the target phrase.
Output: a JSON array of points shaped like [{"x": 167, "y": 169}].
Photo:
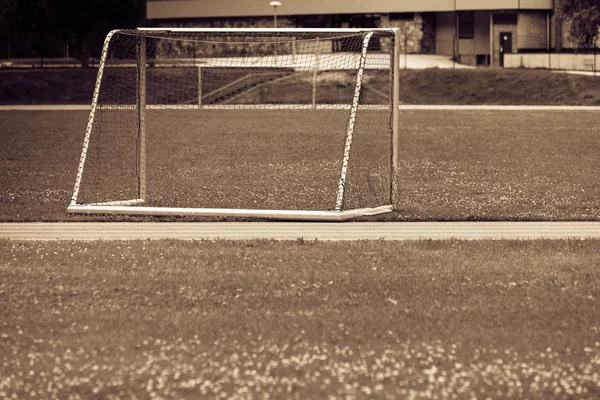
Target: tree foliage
[
  {"x": 81, "y": 23},
  {"x": 584, "y": 16}
]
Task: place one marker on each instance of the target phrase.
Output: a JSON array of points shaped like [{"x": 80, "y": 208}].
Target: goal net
[{"x": 285, "y": 124}]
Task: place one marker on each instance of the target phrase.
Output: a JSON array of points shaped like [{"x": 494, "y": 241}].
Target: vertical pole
[
  {"x": 141, "y": 109},
  {"x": 491, "y": 39},
  {"x": 548, "y": 43},
  {"x": 194, "y": 54},
  {"x": 595, "y": 54},
  {"x": 199, "y": 86},
  {"x": 395, "y": 71},
  {"x": 275, "y": 27},
  {"x": 406, "y": 49},
  {"x": 455, "y": 43},
  {"x": 339, "y": 204},
  {"x": 315, "y": 72},
  {"x": 294, "y": 51},
  {"x": 90, "y": 123}
]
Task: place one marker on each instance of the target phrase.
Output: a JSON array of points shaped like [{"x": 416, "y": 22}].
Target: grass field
[
  {"x": 169, "y": 319},
  {"x": 455, "y": 165},
  {"x": 269, "y": 159},
  {"x": 491, "y": 165},
  {"x": 366, "y": 319}
]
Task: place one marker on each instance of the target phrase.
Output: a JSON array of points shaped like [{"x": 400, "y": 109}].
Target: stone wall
[
  {"x": 418, "y": 34},
  {"x": 186, "y": 49},
  {"x": 247, "y": 22}
]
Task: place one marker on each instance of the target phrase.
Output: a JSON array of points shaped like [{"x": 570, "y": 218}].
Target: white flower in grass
[{"x": 431, "y": 371}]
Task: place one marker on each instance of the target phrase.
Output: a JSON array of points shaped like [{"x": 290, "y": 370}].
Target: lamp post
[{"x": 275, "y": 4}]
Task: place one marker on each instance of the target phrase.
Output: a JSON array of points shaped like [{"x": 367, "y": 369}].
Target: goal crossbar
[{"x": 272, "y": 30}]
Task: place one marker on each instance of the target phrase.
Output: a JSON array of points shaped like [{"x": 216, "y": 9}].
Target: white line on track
[
  {"x": 294, "y": 230},
  {"x": 406, "y": 107}
]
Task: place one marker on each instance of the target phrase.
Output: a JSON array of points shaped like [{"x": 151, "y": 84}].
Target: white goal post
[{"x": 286, "y": 124}]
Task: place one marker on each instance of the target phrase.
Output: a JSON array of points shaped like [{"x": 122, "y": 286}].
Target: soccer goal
[{"x": 291, "y": 124}]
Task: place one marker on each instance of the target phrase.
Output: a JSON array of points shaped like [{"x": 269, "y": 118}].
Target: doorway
[{"x": 505, "y": 45}]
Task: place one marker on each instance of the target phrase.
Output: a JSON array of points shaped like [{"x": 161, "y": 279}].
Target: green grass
[
  {"x": 174, "y": 319},
  {"x": 430, "y": 86},
  {"x": 467, "y": 165},
  {"x": 493, "y": 165},
  {"x": 498, "y": 86},
  {"x": 58, "y": 86}
]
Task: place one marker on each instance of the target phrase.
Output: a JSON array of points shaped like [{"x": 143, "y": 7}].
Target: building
[{"x": 474, "y": 32}]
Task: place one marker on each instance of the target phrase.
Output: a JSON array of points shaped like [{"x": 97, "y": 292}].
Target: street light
[{"x": 275, "y": 4}]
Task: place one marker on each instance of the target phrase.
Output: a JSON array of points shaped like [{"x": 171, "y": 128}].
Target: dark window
[
  {"x": 505, "y": 19},
  {"x": 466, "y": 24},
  {"x": 407, "y": 16}
]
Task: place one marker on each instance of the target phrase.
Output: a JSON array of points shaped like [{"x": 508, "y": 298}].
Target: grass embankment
[
  {"x": 52, "y": 86},
  {"x": 498, "y": 86},
  {"x": 430, "y": 86},
  {"x": 177, "y": 319}
]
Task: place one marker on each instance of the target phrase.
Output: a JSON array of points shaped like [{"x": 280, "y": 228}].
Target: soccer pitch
[
  {"x": 454, "y": 165},
  {"x": 302, "y": 319},
  {"x": 261, "y": 319}
]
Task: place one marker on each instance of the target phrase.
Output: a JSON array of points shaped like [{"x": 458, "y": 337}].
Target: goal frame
[{"x": 135, "y": 206}]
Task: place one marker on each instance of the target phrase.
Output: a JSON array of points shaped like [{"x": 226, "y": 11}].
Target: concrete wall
[
  {"x": 536, "y": 4},
  {"x": 504, "y": 4},
  {"x": 466, "y": 49},
  {"x": 445, "y": 24},
  {"x": 170, "y": 9},
  {"x": 559, "y": 61},
  {"x": 532, "y": 30},
  {"x": 469, "y": 49}
]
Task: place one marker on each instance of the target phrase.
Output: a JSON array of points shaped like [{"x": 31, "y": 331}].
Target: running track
[{"x": 296, "y": 230}]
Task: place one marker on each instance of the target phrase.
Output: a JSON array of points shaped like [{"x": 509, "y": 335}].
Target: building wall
[
  {"x": 445, "y": 23},
  {"x": 418, "y": 33},
  {"x": 532, "y": 30},
  {"x": 504, "y": 5},
  {"x": 428, "y": 44},
  {"x": 465, "y": 50},
  {"x": 249, "y": 22},
  {"x": 166, "y": 9},
  {"x": 501, "y": 28},
  {"x": 470, "y": 49},
  {"x": 424, "y": 32}
]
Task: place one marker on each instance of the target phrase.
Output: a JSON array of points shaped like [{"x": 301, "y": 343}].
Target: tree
[
  {"x": 584, "y": 16},
  {"x": 7, "y": 13},
  {"x": 86, "y": 23},
  {"x": 48, "y": 24}
]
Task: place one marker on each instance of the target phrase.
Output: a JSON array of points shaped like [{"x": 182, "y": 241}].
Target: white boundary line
[{"x": 406, "y": 107}]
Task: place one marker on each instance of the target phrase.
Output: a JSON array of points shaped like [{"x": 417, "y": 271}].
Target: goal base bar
[{"x": 286, "y": 215}]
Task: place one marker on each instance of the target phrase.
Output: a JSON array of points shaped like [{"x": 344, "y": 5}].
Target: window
[
  {"x": 466, "y": 24},
  {"x": 407, "y": 16},
  {"x": 505, "y": 19}
]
